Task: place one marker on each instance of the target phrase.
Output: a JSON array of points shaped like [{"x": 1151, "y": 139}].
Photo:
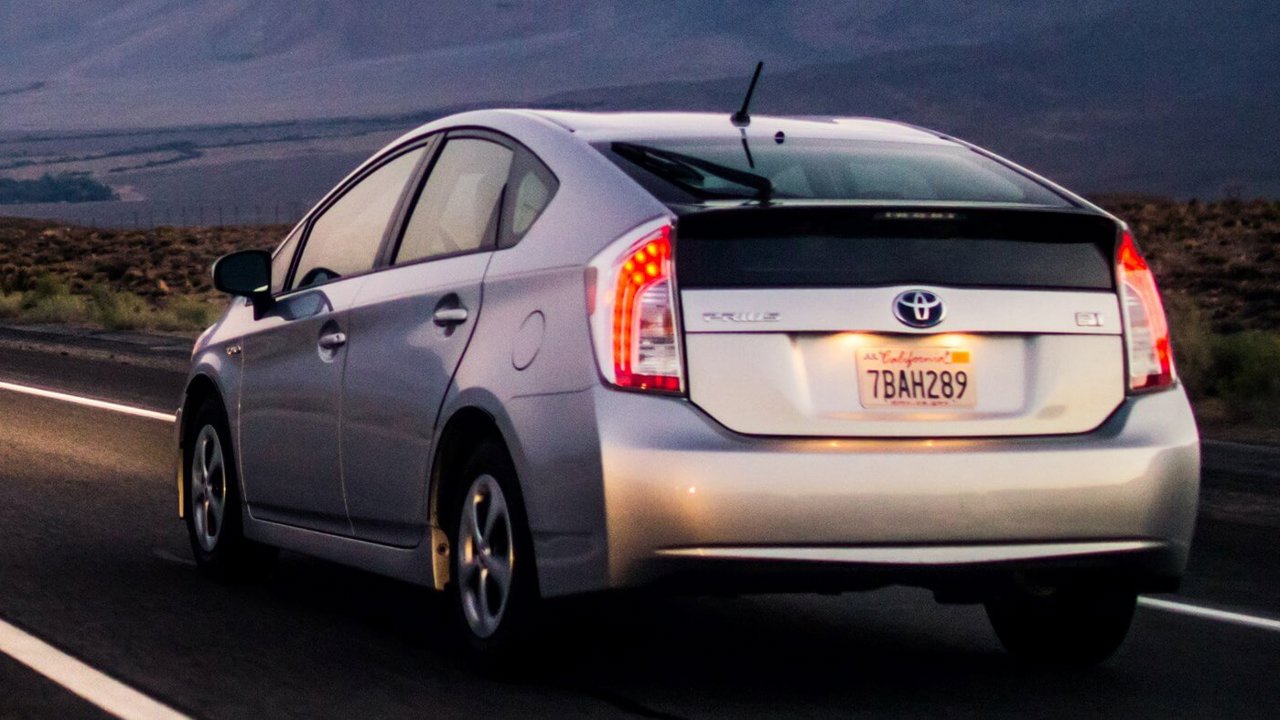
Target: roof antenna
[{"x": 742, "y": 118}]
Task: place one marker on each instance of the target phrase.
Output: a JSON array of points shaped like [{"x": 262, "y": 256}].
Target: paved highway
[{"x": 94, "y": 562}]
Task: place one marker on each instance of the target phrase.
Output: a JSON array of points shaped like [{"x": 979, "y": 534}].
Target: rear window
[
  {"x": 756, "y": 247},
  {"x": 692, "y": 170}
]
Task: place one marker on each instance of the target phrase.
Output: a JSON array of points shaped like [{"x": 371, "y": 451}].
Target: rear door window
[
  {"x": 345, "y": 238},
  {"x": 457, "y": 209}
]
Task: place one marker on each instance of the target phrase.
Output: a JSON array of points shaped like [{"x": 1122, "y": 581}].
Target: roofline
[{"x": 563, "y": 118}]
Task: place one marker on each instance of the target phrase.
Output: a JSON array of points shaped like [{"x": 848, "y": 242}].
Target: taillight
[
  {"x": 1146, "y": 329},
  {"x": 631, "y": 297}
]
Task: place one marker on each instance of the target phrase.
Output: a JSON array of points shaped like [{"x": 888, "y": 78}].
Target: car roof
[
  {"x": 605, "y": 126},
  {"x": 641, "y": 126}
]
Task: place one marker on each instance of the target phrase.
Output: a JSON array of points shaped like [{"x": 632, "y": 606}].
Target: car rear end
[{"x": 932, "y": 388}]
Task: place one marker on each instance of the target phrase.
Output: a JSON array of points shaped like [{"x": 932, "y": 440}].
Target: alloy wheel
[
  {"x": 486, "y": 555},
  {"x": 208, "y": 488}
]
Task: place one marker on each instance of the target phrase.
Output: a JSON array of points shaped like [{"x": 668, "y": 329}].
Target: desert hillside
[
  {"x": 155, "y": 279},
  {"x": 153, "y": 264},
  {"x": 1218, "y": 264},
  {"x": 1222, "y": 258}
]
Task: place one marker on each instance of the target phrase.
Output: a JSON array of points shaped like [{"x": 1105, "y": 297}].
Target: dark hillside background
[
  {"x": 146, "y": 63},
  {"x": 246, "y": 110},
  {"x": 1150, "y": 97}
]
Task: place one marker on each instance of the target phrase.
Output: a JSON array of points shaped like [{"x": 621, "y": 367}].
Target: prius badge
[
  {"x": 919, "y": 309},
  {"x": 741, "y": 317}
]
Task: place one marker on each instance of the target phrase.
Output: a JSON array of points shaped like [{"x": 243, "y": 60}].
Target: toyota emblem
[{"x": 919, "y": 309}]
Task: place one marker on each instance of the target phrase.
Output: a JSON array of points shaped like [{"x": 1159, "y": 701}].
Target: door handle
[
  {"x": 450, "y": 316},
  {"x": 333, "y": 340}
]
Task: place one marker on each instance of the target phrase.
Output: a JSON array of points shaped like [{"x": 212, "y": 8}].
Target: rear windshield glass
[
  {"x": 693, "y": 170},
  {"x": 754, "y": 247}
]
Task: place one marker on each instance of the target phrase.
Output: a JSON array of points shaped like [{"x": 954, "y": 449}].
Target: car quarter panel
[
  {"x": 531, "y": 360},
  {"x": 530, "y": 366}
]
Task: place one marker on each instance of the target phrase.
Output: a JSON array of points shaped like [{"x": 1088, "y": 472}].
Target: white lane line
[
  {"x": 1211, "y": 614},
  {"x": 106, "y": 692},
  {"x": 87, "y": 402}
]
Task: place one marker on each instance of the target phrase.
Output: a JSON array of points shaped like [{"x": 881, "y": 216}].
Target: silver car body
[{"x": 760, "y": 468}]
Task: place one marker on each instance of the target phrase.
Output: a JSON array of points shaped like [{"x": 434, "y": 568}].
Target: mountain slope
[
  {"x": 1170, "y": 97},
  {"x": 1147, "y": 98},
  {"x": 136, "y": 63}
]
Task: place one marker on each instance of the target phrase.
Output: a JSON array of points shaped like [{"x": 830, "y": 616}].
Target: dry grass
[
  {"x": 50, "y": 301},
  {"x": 1218, "y": 265},
  {"x": 1223, "y": 257},
  {"x": 10, "y": 305},
  {"x": 121, "y": 280},
  {"x": 152, "y": 264}
]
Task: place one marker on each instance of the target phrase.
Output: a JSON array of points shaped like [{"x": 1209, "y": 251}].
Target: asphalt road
[{"x": 94, "y": 561}]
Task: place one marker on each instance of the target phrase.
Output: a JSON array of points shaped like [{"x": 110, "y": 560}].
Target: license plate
[{"x": 925, "y": 377}]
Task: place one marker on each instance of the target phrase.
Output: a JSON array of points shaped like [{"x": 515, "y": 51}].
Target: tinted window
[
  {"x": 457, "y": 210},
  {"x": 282, "y": 259},
  {"x": 344, "y": 240},
  {"x": 821, "y": 169},
  {"x": 529, "y": 191},
  {"x": 857, "y": 247}
]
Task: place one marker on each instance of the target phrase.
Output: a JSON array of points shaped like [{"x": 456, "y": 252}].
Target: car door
[
  {"x": 291, "y": 395},
  {"x": 412, "y": 323}
]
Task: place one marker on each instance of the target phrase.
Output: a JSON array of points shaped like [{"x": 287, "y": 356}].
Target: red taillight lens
[
  {"x": 1146, "y": 328},
  {"x": 634, "y": 314}
]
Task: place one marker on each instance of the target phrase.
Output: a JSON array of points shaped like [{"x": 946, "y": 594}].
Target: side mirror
[{"x": 246, "y": 274}]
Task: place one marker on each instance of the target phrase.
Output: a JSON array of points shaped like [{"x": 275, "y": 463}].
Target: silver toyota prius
[{"x": 519, "y": 355}]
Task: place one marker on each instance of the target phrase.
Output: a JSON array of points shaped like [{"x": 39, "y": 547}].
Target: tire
[
  {"x": 493, "y": 594},
  {"x": 1075, "y": 626},
  {"x": 213, "y": 506}
]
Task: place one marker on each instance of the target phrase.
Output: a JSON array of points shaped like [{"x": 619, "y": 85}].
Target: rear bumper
[{"x": 689, "y": 502}]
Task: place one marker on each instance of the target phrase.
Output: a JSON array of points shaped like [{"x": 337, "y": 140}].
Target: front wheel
[
  {"x": 1073, "y": 626},
  {"x": 493, "y": 591},
  {"x": 213, "y": 508}
]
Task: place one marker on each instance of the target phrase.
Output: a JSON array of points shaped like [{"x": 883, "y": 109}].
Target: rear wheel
[
  {"x": 1076, "y": 626},
  {"x": 493, "y": 591},
  {"x": 213, "y": 508}
]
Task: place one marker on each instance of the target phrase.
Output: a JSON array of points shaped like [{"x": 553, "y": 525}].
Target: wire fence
[{"x": 156, "y": 215}]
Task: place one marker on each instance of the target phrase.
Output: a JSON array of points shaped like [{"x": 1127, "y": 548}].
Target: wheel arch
[
  {"x": 467, "y": 428},
  {"x": 199, "y": 388}
]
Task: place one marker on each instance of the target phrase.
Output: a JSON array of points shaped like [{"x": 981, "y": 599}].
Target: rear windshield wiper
[{"x": 687, "y": 171}]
